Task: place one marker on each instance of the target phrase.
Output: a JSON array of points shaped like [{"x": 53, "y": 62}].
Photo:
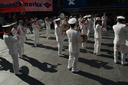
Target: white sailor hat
[
  {"x": 72, "y": 21},
  {"x": 85, "y": 17},
  {"x": 34, "y": 20},
  {"x": 88, "y": 15},
  {"x": 7, "y": 26},
  {"x": 46, "y": 18},
  {"x": 70, "y": 16},
  {"x": 57, "y": 20},
  {"x": 66, "y": 16},
  {"x": 20, "y": 21},
  {"x": 14, "y": 23},
  {"x": 82, "y": 19},
  {"x": 98, "y": 19},
  {"x": 120, "y": 17}
]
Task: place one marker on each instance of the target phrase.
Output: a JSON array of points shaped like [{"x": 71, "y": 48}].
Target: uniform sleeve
[
  {"x": 58, "y": 32},
  {"x": 81, "y": 26},
  {"x": 46, "y": 24},
  {"x": 126, "y": 28},
  {"x": 97, "y": 28},
  {"x": 13, "y": 32},
  {"x": 11, "y": 39},
  {"x": 33, "y": 27},
  {"x": 78, "y": 37}
]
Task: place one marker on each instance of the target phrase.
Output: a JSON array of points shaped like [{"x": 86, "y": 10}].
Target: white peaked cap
[
  {"x": 72, "y": 21},
  {"x": 89, "y": 16},
  {"x": 98, "y": 19},
  {"x": 14, "y": 23},
  {"x": 85, "y": 17},
  {"x": 6, "y": 26},
  {"x": 57, "y": 20},
  {"x": 120, "y": 17},
  {"x": 34, "y": 20},
  {"x": 20, "y": 21}
]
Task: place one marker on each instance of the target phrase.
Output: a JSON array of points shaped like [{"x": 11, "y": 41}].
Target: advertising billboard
[
  {"x": 71, "y": 3},
  {"x": 93, "y": 3},
  {"x": 8, "y": 6}
]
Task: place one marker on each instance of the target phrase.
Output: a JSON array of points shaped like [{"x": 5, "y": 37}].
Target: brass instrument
[
  {"x": 38, "y": 22},
  {"x": 84, "y": 37},
  {"x": 65, "y": 27}
]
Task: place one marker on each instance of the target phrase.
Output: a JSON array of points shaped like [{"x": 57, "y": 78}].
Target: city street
[{"x": 43, "y": 66}]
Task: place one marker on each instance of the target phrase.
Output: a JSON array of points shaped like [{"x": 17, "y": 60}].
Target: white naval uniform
[
  {"x": 104, "y": 22},
  {"x": 74, "y": 39},
  {"x": 97, "y": 37},
  {"x": 14, "y": 31},
  {"x": 23, "y": 35},
  {"x": 120, "y": 31},
  {"x": 11, "y": 44},
  {"x": 64, "y": 22},
  {"x": 36, "y": 33},
  {"x": 48, "y": 29},
  {"x": 90, "y": 26},
  {"x": 83, "y": 31},
  {"x": 94, "y": 22},
  {"x": 79, "y": 20},
  {"x": 59, "y": 39},
  {"x": 20, "y": 44}
]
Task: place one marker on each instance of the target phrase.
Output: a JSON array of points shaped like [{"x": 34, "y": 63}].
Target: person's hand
[
  {"x": 18, "y": 38},
  {"x": 18, "y": 31}
]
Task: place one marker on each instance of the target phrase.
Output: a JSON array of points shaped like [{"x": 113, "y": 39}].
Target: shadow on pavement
[
  {"x": 101, "y": 80},
  {"x": 5, "y": 65},
  {"x": 43, "y": 46},
  {"x": 93, "y": 63},
  {"x": 46, "y": 67},
  {"x": 28, "y": 79}
]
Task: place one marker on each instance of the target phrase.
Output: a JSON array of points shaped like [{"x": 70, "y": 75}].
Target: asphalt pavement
[{"x": 43, "y": 66}]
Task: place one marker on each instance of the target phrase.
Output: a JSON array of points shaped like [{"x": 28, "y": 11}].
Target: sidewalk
[{"x": 43, "y": 66}]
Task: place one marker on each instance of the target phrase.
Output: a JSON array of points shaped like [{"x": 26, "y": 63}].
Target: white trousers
[
  {"x": 97, "y": 46},
  {"x": 15, "y": 63},
  {"x": 88, "y": 32},
  {"x": 36, "y": 41},
  {"x": 60, "y": 46},
  {"x": 20, "y": 47},
  {"x": 104, "y": 29},
  {"x": 122, "y": 49},
  {"x": 22, "y": 44},
  {"x": 73, "y": 60},
  {"x": 23, "y": 38},
  {"x": 48, "y": 32},
  {"x": 83, "y": 45}
]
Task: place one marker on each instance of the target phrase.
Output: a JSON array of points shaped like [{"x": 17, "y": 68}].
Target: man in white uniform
[
  {"x": 14, "y": 29},
  {"x": 94, "y": 20},
  {"x": 104, "y": 22},
  {"x": 83, "y": 31},
  {"x": 36, "y": 32},
  {"x": 90, "y": 25},
  {"x": 11, "y": 44},
  {"x": 120, "y": 31},
  {"x": 59, "y": 37},
  {"x": 97, "y": 36},
  {"x": 79, "y": 20},
  {"x": 48, "y": 27},
  {"x": 20, "y": 44},
  {"x": 74, "y": 40},
  {"x": 22, "y": 31}
]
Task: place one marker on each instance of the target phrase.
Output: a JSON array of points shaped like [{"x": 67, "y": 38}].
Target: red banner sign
[{"x": 8, "y": 6}]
